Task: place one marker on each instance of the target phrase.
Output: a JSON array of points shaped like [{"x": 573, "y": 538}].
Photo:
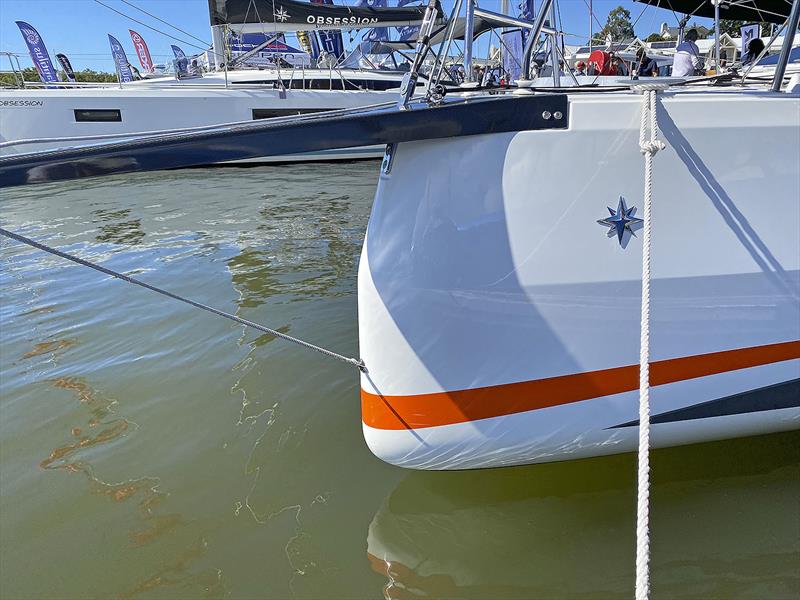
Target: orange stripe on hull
[{"x": 447, "y": 408}]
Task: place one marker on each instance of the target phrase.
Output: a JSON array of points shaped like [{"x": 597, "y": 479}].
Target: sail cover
[
  {"x": 772, "y": 11},
  {"x": 292, "y": 15}
]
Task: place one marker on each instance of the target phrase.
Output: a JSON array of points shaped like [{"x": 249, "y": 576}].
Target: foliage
[
  {"x": 654, "y": 37},
  {"x": 87, "y": 75},
  {"x": 7, "y": 77},
  {"x": 95, "y": 76},
  {"x": 618, "y": 26},
  {"x": 732, "y": 28}
]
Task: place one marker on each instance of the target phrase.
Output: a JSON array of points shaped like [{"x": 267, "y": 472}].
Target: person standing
[
  {"x": 645, "y": 66},
  {"x": 687, "y": 56},
  {"x": 754, "y": 50}
]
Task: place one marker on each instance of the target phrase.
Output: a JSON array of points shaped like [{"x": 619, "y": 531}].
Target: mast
[
  {"x": 218, "y": 46},
  {"x": 533, "y": 38},
  {"x": 791, "y": 31},
  {"x": 468, "y": 31},
  {"x": 505, "y": 9},
  {"x": 554, "y": 47},
  {"x": 716, "y": 34},
  {"x": 591, "y": 26}
]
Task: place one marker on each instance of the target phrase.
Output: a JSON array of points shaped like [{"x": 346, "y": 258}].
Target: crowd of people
[{"x": 687, "y": 62}]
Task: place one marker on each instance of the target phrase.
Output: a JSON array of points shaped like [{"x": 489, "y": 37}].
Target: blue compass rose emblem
[{"x": 621, "y": 220}]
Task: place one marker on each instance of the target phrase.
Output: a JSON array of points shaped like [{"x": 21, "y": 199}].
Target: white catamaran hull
[
  {"x": 54, "y": 119},
  {"x": 500, "y": 323}
]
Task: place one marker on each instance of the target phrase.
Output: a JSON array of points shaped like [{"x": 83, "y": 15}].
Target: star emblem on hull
[
  {"x": 621, "y": 220},
  {"x": 282, "y": 15}
]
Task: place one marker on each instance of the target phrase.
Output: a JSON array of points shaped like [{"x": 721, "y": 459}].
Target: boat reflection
[
  {"x": 724, "y": 522},
  {"x": 303, "y": 249},
  {"x": 115, "y": 229}
]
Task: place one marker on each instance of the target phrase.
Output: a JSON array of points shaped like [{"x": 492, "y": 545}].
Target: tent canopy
[{"x": 772, "y": 11}]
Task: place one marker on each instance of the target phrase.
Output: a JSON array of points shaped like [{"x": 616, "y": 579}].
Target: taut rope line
[
  {"x": 649, "y": 147},
  {"x": 359, "y": 364}
]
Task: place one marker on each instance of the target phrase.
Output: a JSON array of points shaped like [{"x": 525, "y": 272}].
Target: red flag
[{"x": 141, "y": 51}]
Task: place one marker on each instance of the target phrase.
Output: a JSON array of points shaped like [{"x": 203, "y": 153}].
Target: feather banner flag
[
  {"x": 142, "y": 51},
  {"x": 124, "y": 72},
  {"x": 38, "y": 51}
]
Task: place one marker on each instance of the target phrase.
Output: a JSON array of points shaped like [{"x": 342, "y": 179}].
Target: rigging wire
[
  {"x": 641, "y": 14},
  {"x": 593, "y": 15},
  {"x": 165, "y": 22},
  {"x": 150, "y": 27}
]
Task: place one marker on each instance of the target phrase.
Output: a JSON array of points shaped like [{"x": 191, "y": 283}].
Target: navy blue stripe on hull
[
  {"x": 291, "y": 135},
  {"x": 771, "y": 397}
]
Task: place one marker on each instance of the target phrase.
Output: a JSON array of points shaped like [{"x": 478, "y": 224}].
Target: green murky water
[{"x": 149, "y": 450}]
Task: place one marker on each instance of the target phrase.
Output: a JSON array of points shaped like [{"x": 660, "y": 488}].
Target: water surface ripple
[{"x": 150, "y": 450}]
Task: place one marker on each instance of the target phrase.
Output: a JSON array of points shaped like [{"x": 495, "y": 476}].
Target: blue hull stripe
[{"x": 771, "y": 397}]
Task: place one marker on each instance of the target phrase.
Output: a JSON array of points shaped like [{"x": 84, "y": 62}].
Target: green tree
[
  {"x": 732, "y": 28},
  {"x": 87, "y": 75},
  {"x": 618, "y": 26},
  {"x": 654, "y": 37},
  {"x": 29, "y": 74}
]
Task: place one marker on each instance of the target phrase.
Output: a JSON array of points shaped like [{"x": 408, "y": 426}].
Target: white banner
[
  {"x": 512, "y": 54},
  {"x": 749, "y": 33}
]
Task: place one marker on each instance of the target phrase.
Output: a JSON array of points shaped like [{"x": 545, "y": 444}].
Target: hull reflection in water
[{"x": 527, "y": 532}]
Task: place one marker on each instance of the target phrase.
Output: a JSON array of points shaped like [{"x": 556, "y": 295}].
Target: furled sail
[{"x": 293, "y": 15}]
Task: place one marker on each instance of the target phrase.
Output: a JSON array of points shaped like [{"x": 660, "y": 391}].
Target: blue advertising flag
[
  {"x": 408, "y": 32},
  {"x": 331, "y": 41},
  {"x": 512, "y": 54},
  {"x": 527, "y": 11},
  {"x": 245, "y": 42},
  {"x": 124, "y": 72},
  {"x": 376, "y": 34},
  {"x": 38, "y": 51},
  {"x": 314, "y": 44},
  {"x": 178, "y": 52}
]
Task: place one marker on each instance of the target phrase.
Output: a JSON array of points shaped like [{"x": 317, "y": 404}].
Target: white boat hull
[
  {"x": 48, "y": 116},
  {"x": 500, "y": 324}
]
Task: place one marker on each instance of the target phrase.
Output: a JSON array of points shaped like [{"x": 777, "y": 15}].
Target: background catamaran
[
  {"x": 499, "y": 286},
  {"x": 36, "y": 119}
]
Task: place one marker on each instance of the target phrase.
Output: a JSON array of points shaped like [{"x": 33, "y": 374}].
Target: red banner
[{"x": 141, "y": 51}]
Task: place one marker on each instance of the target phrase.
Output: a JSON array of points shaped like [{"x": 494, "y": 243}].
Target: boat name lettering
[
  {"x": 312, "y": 20},
  {"x": 21, "y": 103}
]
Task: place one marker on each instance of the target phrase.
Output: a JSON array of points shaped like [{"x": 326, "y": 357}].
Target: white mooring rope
[{"x": 648, "y": 147}]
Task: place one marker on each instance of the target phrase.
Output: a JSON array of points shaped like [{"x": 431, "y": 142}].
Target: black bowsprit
[{"x": 292, "y": 135}]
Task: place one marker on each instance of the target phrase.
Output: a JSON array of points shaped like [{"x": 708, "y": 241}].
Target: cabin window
[
  {"x": 269, "y": 113},
  {"x": 101, "y": 115}
]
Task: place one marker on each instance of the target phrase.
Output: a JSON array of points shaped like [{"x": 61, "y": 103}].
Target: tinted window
[
  {"x": 97, "y": 114},
  {"x": 269, "y": 113}
]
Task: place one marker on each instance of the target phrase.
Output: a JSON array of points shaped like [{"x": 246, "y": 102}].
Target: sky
[{"x": 78, "y": 28}]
